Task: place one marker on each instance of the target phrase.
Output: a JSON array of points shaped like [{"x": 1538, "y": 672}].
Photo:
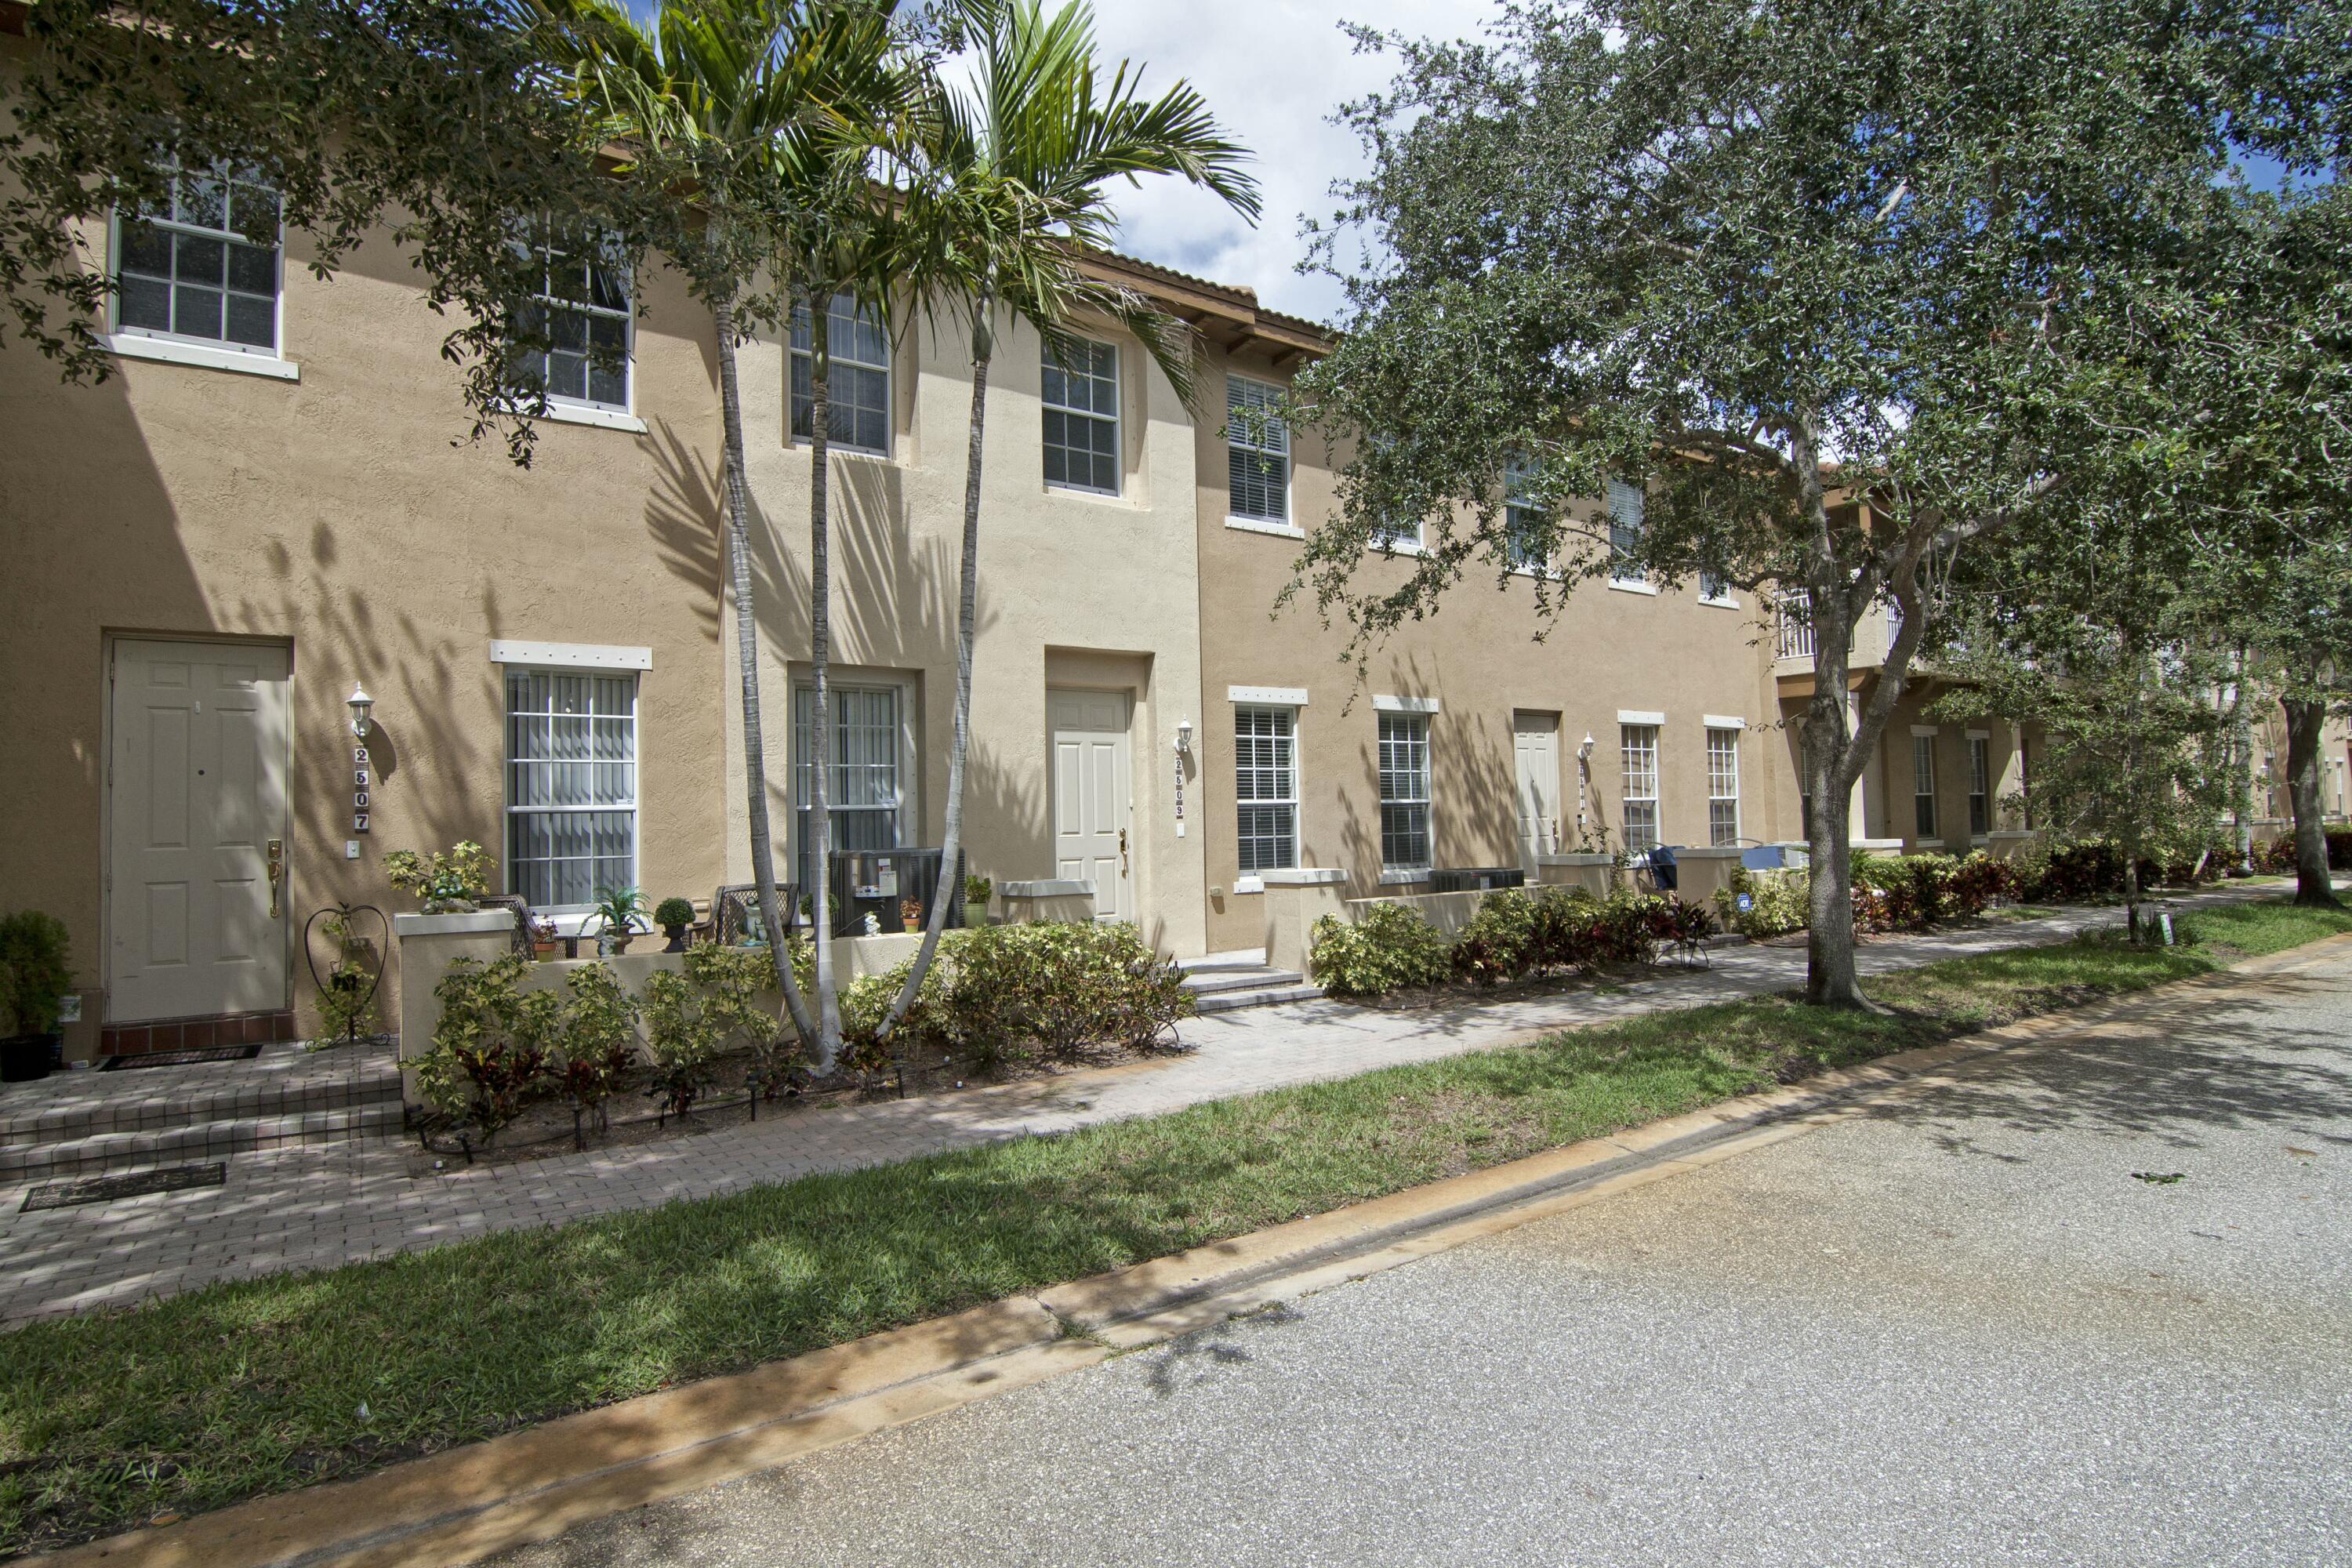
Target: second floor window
[
  {"x": 205, "y": 266},
  {"x": 582, "y": 311},
  {"x": 1257, "y": 449},
  {"x": 1081, "y": 399},
  {"x": 857, "y": 392},
  {"x": 1523, "y": 520},
  {"x": 1625, "y": 510}
]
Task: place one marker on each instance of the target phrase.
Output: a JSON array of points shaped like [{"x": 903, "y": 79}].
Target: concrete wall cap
[
  {"x": 1708, "y": 852},
  {"x": 1048, "y": 889},
  {"x": 1577, "y": 859},
  {"x": 1304, "y": 877},
  {"x": 479, "y": 923}
]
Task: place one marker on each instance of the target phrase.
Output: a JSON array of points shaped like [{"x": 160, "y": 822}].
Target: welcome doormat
[
  {"x": 181, "y": 1058},
  {"x": 129, "y": 1185}
]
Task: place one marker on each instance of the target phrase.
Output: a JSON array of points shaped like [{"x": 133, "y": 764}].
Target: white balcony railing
[{"x": 1793, "y": 630}]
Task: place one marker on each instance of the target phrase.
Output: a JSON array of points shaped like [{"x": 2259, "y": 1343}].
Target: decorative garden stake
[{"x": 347, "y": 991}]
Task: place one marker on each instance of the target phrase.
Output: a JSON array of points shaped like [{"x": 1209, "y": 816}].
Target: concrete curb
[{"x": 532, "y": 1485}]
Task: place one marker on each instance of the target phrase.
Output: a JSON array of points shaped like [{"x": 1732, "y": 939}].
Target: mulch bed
[{"x": 546, "y": 1130}]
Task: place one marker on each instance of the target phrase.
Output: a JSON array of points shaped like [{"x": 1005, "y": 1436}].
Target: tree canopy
[{"x": 1763, "y": 261}]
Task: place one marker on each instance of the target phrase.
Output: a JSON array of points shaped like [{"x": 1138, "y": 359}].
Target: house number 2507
[{"x": 360, "y": 789}]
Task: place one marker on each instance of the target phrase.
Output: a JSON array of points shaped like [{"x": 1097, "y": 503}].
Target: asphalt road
[{"x": 1958, "y": 1330}]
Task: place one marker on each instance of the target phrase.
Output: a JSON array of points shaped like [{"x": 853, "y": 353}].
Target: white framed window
[
  {"x": 1638, "y": 751},
  {"x": 866, "y": 795},
  {"x": 1980, "y": 786},
  {"x": 857, "y": 392},
  {"x": 1714, "y": 590},
  {"x": 583, "y": 309},
  {"x": 1400, "y": 536},
  {"x": 1081, "y": 399},
  {"x": 1625, "y": 517},
  {"x": 572, "y": 786},
  {"x": 1524, "y": 524},
  {"x": 1923, "y": 786},
  {"x": 1722, "y": 786},
  {"x": 206, "y": 268},
  {"x": 1405, "y": 792},
  {"x": 1257, "y": 452},
  {"x": 1265, "y": 787}
]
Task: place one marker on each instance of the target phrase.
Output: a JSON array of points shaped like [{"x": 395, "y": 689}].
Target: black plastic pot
[
  {"x": 677, "y": 935},
  {"x": 24, "y": 1058}
]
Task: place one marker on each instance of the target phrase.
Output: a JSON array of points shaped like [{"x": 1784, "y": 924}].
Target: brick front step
[{"x": 195, "y": 1033}]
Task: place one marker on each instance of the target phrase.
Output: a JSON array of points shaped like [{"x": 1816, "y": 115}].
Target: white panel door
[
  {"x": 1092, "y": 797},
  {"x": 1534, "y": 755},
  {"x": 196, "y": 800}
]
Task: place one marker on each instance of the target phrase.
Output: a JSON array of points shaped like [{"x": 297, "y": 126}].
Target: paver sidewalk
[{"x": 316, "y": 1207}]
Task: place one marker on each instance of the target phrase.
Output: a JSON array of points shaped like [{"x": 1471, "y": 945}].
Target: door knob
[{"x": 276, "y": 872}]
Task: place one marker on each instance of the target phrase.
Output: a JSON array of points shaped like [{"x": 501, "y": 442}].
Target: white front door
[
  {"x": 1092, "y": 797},
  {"x": 197, "y": 834},
  {"x": 1535, "y": 755}
]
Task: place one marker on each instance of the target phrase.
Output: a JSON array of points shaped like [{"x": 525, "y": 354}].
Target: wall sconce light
[
  {"x": 1584, "y": 748},
  {"x": 1183, "y": 736},
  {"x": 360, "y": 704}
]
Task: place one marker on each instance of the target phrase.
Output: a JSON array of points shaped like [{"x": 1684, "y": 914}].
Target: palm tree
[
  {"x": 751, "y": 113},
  {"x": 1006, "y": 203}
]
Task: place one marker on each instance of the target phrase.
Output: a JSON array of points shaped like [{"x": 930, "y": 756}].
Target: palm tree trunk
[
  {"x": 827, "y": 1048},
  {"x": 966, "y": 616},
  {"x": 747, "y": 664},
  {"x": 2305, "y": 724}
]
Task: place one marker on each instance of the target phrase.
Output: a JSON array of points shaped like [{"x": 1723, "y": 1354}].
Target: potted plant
[
  {"x": 673, "y": 915},
  {"x": 36, "y": 959},
  {"x": 543, "y": 940},
  {"x": 447, "y": 884},
  {"x": 617, "y": 913},
  {"x": 977, "y": 890}
]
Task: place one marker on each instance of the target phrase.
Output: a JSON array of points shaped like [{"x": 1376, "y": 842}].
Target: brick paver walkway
[{"x": 316, "y": 1207}]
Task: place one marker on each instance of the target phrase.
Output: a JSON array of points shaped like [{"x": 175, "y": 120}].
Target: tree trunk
[
  {"x": 2131, "y": 891},
  {"x": 1831, "y": 978},
  {"x": 827, "y": 1048},
  {"x": 2304, "y": 724},
  {"x": 966, "y": 616},
  {"x": 746, "y": 665}
]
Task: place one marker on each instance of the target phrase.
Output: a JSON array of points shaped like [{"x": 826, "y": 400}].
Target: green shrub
[
  {"x": 673, "y": 911},
  {"x": 39, "y": 953},
  {"x": 445, "y": 884},
  {"x": 1776, "y": 902},
  {"x": 1499, "y": 943},
  {"x": 493, "y": 1048},
  {"x": 994, "y": 991},
  {"x": 1392, "y": 947}
]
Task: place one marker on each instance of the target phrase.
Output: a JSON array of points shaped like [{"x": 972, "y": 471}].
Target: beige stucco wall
[
  {"x": 1075, "y": 590},
  {"x": 335, "y": 514},
  {"x": 1607, "y": 650}
]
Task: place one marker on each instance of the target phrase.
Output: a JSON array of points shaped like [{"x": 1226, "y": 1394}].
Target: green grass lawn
[{"x": 198, "y": 1399}]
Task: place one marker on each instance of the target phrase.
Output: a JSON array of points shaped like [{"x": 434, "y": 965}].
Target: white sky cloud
[{"x": 1273, "y": 70}]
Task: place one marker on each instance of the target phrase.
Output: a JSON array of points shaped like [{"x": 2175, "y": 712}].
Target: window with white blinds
[
  {"x": 1265, "y": 787},
  {"x": 1405, "y": 792},
  {"x": 1257, "y": 452},
  {"x": 1722, "y": 786},
  {"x": 571, "y": 786},
  {"x": 1638, "y": 749},
  {"x": 863, "y": 783}
]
